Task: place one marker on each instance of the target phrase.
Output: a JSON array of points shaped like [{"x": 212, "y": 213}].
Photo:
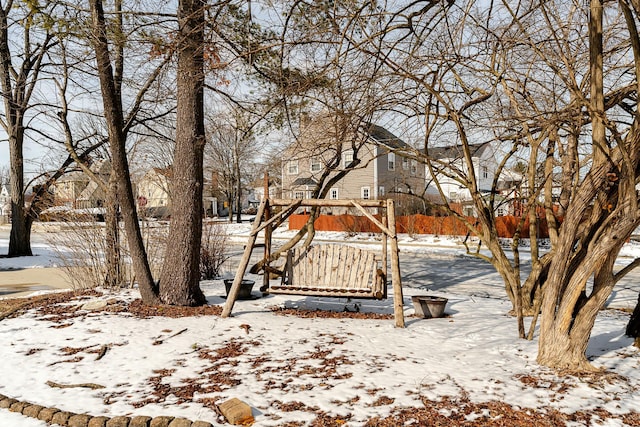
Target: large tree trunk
[
  {"x": 20, "y": 238},
  {"x": 120, "y": 166},
  {"x": 180, "y": 279},
  {"x": 14, "y": 107}
]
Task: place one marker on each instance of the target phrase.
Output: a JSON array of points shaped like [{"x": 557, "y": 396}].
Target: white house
[
  {"x": 153, "y": 191},
  {"x": 452, "y": 172}
]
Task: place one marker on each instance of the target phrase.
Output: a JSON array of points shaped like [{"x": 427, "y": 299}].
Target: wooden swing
[{"x": 330, "y": 270}]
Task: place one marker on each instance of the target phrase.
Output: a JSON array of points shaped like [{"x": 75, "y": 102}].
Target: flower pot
[
  {"x": 428, "y": 306},
  {"x": 245, "y": 288}
]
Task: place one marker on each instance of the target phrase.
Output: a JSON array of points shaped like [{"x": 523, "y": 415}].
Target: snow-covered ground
[{"x": 354, "y": 369}]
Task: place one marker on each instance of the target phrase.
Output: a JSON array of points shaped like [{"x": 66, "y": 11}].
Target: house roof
[
  {"x": 384, "y": 137},
  {"x": 457, "y": 152},
  {"x": 303, "y": 181}
]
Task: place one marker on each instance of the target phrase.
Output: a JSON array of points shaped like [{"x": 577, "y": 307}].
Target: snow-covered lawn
[{"x": 293, "y": 369}]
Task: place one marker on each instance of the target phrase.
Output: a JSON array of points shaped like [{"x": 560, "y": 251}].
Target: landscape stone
[
  {"x": 18, "y": 406},
  {"x": 180, "y": 422},
  {"x": 61, "y": 418},
  {"x": 6, "y": 403},
  {"x": 201, "y": 424},
  {"x": 161, "y": 421},
  {"x": 98, "y": 422},
  {"x": 94, "y": 305},
  {"x": 32, "y": 410},
  {"x": 118, "y": 422},
  {"x": 79, "y": 420},
  {"x": 47, "y": 414},
  {"x": 140, "y": 421},
  {"x": 236, "y": 411}
]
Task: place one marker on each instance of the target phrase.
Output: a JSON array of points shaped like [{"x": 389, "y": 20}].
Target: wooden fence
[{"x": 415, "y": 224}]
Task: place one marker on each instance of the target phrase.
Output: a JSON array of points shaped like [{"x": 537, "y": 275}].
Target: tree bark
[
  {"x": 180, "y": 278},
  {"x": 114, "y": 276}
]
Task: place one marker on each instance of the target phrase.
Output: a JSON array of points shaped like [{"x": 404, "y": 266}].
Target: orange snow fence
[{"x": 415, "y": 224}]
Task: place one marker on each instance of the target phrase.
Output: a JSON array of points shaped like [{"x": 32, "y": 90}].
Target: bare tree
[
  {"x": 468, "y": 73},
  {"x": 20, "y": 74},
  {"x": 110, "y": 84},
  {"x": 231, "y": 150}
]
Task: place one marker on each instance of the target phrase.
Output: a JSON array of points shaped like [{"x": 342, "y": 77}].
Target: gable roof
[
  {"x": 382, "y": 136},
  {"x": 303, "y": 181},
  {"x": 457, "y": 152}
]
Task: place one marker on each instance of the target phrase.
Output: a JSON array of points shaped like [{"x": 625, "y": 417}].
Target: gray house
[{"x": 386, "y": 169}]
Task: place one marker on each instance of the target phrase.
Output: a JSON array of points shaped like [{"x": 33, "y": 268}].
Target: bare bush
[
  {"x": 214, "y": 250},
  {"x": 80, "y": 247}
]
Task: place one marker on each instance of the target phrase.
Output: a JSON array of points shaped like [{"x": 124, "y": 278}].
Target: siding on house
[
  {"x": 372, "y": 178},
  {"x": 484, "y": 164},
  {"x": 153, "y": 187}
]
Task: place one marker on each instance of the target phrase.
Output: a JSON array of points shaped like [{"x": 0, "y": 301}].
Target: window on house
[
  {"x": 348, "y": 158},
  {"x": 405, "y": 163},
  {"x": 365, "y": 193},
  {"x": 392, "y": 161},
  {"x": 316, "y": 165},
  {"x": 292, "y": 167},
  {"x": 414, "y": 167},
  {"x": 298, "y": 194},
  {"x": 453, "y": 195},
  {"x": 381, "y": 191},
  {"x": 333, "y": 193},
  {"x": 485, "y": 172}
]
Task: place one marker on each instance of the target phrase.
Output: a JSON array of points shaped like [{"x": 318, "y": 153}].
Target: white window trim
[
  {"x": 347, "y": 158},
  {"x": 290, "y": 164},
  {"x": 367, "y": 190},
  {"x": 331, "y": 194},
  {"x": 391, "y": 161},
  {"x": 315, "y": 163}
]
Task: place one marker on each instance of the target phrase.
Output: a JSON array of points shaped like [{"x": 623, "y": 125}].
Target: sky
[{"x": 288, "y": 368}]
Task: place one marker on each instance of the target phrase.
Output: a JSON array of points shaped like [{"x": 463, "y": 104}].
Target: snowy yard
[{"x": 347, "y": 369}]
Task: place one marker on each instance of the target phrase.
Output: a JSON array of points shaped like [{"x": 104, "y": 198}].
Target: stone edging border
[{"x": 70, "y": 419}]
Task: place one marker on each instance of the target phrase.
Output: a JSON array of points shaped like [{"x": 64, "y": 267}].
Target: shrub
[{"x": 214, "y": 250}]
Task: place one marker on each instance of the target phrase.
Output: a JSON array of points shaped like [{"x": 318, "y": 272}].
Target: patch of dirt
[{"x": 460, "y": 412}]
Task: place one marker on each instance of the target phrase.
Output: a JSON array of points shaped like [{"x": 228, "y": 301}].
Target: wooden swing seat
[{"x": 332, "y": 271}]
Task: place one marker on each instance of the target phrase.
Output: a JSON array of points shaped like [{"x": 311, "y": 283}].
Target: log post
[
  {"x": 268, "y": 231},
  {"x": 244, "y": 262},
  {"x": 398, "y": 301}
]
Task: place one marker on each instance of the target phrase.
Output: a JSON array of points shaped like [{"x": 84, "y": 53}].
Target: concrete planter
[
  {"x": 245, "y": 288},
  {"x": 428, "y": 306}
]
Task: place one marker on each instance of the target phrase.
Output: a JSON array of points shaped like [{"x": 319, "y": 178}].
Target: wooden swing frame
[{"x": 267, "y": 221}]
